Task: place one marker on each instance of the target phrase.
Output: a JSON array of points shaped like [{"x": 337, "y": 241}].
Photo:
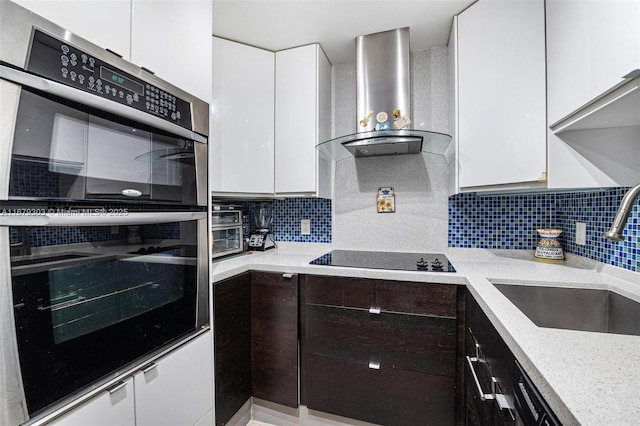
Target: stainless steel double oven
[{"x": 103, "y": 216}]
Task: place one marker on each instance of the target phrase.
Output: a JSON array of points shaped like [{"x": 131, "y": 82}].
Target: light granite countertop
[{"x": 587, "y": 378}]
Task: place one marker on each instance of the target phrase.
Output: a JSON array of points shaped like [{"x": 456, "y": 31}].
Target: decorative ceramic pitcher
[{"x": 549, "y": 248}]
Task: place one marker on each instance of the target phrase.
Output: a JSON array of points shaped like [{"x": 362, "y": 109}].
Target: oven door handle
[
  {"x": 91, "y": 100},
  {"x": 96, "y": 217}
]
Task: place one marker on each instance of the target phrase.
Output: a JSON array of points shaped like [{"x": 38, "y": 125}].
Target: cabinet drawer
[
  {"x": 417, "y": 298},
  {"x": 389, "y": 296},
  {"x": 340, "y": 291},
  {"x": 384, "y": 396},
  {"x": 409, "y": 342}
]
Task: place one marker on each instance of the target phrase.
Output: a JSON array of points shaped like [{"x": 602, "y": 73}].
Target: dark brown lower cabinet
[
  {"x": 496, "y": 363},
  {"x": 232, "y": 336},
  {"x": 385, "y": 396},
  {"x": 274, "y": 337},
  {"x": 395, "y": 362}
]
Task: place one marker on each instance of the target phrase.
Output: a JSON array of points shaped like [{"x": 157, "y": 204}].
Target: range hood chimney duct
[
  {"x": 383, "y": 102},
  {"x": 383, "y": 80}
]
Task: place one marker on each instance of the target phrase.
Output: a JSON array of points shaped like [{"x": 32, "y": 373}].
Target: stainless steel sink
[{"x": 575, "y": 308}]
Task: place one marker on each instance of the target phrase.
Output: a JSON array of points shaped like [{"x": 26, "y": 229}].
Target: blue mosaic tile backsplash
[
  {"x": 510, "y": 222},
  {"x": 41, "y": 236},
  {"x": 287, "y": 214}
]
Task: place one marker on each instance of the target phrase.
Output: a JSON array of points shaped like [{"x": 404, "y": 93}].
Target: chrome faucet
[
  {"x": 620, "y": 220},
  {"x": 22, "y": 248}
]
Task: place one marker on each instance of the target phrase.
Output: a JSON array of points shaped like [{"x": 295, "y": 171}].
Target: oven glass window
[
  {"x": 109, "y": 296},
  {"x": 96, "y": 295},
  {"x": 60, "y": 151}
]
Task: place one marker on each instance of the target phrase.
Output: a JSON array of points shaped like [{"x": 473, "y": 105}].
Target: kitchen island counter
[{"x": 587, "y": 378}]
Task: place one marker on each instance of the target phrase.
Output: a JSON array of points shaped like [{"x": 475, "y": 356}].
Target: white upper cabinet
[
  {"x": 591, "y": 46},
  {"x": 241, "y": 144},
  {"x": 173, "y": 39},
  {"x": 501, "y": 128},
  {"x": 302, "y": 120},
  {"x": 106, "y": 23}
]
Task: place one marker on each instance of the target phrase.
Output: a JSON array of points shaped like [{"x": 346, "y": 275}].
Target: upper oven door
[{"x": 75, "y": 127}]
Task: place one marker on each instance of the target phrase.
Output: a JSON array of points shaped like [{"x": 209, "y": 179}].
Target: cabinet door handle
[
  {"x": 483, "y": 396},
  {"x": 374, "y": 365},
  {"x": 504, "y": 402},
  {"x": 287, "y": 276},
  {"x": 116, "y": 387},
  {"x": 149, "y": 367},
  {"x": 373, "y": 310}
]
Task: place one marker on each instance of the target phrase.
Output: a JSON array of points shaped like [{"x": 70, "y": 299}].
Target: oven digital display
[{"x": 107, "y": 75}]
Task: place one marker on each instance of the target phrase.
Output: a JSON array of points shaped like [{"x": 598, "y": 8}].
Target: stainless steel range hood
[{"x": 383, "y": 103}]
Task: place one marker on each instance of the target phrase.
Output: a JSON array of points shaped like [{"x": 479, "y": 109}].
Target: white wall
[{"x": 420, "y": 182}]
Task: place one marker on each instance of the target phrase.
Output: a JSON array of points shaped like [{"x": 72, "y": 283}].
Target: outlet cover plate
[{"x": 305, "y": 227}]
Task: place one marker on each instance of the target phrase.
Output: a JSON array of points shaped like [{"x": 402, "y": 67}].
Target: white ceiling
[{"x": 276, "y": 25}]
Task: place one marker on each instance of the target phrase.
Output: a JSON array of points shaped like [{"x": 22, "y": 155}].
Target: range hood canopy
[
  {"x": 385, "y": 142},
  {"x": 383, "y": 103}
]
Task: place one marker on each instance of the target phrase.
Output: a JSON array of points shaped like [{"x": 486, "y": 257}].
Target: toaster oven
[{"x": 226, "y": 231}]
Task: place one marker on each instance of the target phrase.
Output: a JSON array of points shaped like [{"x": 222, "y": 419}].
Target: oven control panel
[{"x": 61, "y": 62}]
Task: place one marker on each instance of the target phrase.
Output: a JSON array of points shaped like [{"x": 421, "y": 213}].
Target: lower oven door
[{"x": 118, "y": 288}]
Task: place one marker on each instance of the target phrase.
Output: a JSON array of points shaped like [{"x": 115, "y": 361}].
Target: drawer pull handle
[
  {"x": 374, "y": 311},
  {"x": 149, "y": 367},
  {"x": 116, "y": 387},
  {"x": 287, "y": 276},
  {"x": 374, "y": 365},
  {"x": 505, "y": 402},
  {"x": 483, "y": 396}
]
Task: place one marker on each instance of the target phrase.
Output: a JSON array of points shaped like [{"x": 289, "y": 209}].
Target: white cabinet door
[
  {"x": 241, "y": 141},
  {"x": 591, "y": 45},
  {"x": 115, "y": 407},
  {"x": 106, "y": 23},
  {"x": 178, "y": 388},
  {"x": 501, "y": 93},
  {"x": 173, "y": 39},
  {"x": 302, "y": 120}
]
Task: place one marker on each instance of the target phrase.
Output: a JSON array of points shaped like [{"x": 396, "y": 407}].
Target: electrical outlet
[
  {"x": 581, "y": 233},
  {"x": 305, "y": 227}
]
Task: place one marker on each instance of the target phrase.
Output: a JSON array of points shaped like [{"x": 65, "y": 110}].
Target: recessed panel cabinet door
[
  {"x": 178, "y": 388},
  {"x": 501, "y": 93}
]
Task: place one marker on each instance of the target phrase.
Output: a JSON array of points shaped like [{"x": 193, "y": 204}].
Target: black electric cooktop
[{"x": 428, "y": 262}]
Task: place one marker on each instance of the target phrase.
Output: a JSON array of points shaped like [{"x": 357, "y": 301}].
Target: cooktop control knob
[
  {"x": 422, "y": 265},
  {"x": 436, "y": 264}
]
